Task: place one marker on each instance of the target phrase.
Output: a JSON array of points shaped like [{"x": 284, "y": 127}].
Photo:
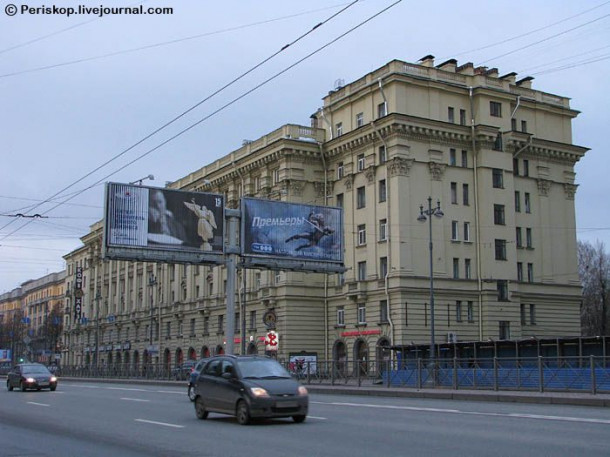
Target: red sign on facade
[{"x": 362, "y": 333}]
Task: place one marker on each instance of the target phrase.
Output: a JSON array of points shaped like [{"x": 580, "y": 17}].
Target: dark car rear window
[{"x": 262, "y": 368}]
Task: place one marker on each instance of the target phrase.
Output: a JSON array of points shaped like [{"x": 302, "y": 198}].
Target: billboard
[
  {"x": 5, "y": 355},
  {"x": 286, "y": 235},
  {"x": 157, "y": 224}
]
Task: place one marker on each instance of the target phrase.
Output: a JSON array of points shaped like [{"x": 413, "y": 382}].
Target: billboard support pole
[{"x": 232, "y": 216}]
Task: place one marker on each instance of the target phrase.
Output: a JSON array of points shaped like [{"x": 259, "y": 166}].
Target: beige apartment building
[{"x": 497, "y": 156}]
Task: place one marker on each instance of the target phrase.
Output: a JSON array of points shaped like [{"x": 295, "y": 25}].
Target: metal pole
[
  {"x": 432, "y": 339},
  {"x": 98, "y": 296},
  {"x": 232, "y": 250}
]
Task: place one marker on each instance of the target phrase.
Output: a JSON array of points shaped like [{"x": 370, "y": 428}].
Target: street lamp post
[
  {"x": 152, "y": 282},
  {"x": 98, "y": 297},
  {"x": 426, "y": 214}
]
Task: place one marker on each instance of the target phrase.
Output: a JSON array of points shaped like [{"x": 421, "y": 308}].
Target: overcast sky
[{"x": 77, "y": 91}]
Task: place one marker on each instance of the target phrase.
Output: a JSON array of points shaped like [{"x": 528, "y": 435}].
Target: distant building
[{"x": 496, "y": 154}]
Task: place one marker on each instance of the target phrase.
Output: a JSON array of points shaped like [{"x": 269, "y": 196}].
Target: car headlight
[
  {"x": 30, "y": 380},
  {"x": 259, "y": 392},
  {"x": 53, "y": 379},
  {"x": 302, "y": 390}
]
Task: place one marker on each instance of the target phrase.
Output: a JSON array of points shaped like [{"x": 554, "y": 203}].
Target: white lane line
[
  {"x": 169, "y": 392},
  {"x": 127, "y": 389},
  {"x": 317, "y": 418},
  {"x": 37, "y": 404},
  {"x": 159, "y": 423},
  {"x": 472, "y": 413},
  {"x": 134, "y": 399}
]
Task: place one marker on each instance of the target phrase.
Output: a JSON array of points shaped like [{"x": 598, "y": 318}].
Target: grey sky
[{"x": 60, "y": 123}]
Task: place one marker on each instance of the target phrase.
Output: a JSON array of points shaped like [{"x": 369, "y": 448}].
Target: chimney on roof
[
  {"x": 492, "y": 73},
  {"x": 510, "y": 77},
  {"x": 466, "y": 69},
  {"x": 427, "y": 61},
  {"x": 480, "y": 70},
  {"x": 526, "y": 82},
  {"x": 448, "y": 65}
]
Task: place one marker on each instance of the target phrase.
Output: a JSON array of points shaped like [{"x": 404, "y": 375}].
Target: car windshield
[
  {"x": 262, "y": 368},
  {"x": 34, "y": 369}
]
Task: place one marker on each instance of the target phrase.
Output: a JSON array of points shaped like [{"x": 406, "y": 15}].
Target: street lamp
[
  {"x": 423, "y": 216},
  {"x": 139, "y": 181},
  {"x": 98, "y": 297}
]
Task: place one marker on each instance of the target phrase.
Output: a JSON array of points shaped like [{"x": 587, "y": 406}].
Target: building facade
[{"x": 494, "y": 153}]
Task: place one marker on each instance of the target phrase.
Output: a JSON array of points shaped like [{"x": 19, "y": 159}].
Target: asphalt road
[{"x": 90, "y": 419}]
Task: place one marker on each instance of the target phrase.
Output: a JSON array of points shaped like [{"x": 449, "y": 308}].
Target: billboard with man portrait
[{"x": 159, "y": 224}]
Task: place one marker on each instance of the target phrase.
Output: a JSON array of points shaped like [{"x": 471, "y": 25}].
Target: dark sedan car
[
  {"x": 249, "y": 387},
  {"x": 183, "y": 371},
  {"x": 193, "y": 378},
  {"x": 31, "y": 376}
]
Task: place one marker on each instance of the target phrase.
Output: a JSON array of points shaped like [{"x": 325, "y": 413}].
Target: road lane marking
[
  {"x": 472, "y": 413},
  {"x": 317, "y": 418},
  {"x": 128, "y": 389},
  {"x": 168, "y": 392},
  {"x": 159, "y": 423},
  {"x": 37, "y": 404},
  {"x": 134, "y": 399}
]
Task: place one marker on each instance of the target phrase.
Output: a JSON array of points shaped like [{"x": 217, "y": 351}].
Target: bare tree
[{"x": 594, "y": 271}]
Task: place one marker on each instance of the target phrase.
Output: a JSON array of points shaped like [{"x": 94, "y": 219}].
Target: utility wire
[
  {"x": 161, "y": 44},
  {"x": 171, "y": 122}
]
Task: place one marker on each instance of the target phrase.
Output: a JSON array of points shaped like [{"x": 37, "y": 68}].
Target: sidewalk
[{"x": 555, "y": 398}]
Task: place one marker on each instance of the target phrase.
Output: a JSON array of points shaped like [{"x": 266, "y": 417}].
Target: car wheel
[
  {"x": 191, "y": 393},
  {"x": 9, "y": 386},
  {"x": 200, "y": 410},
  {"x": 53, "y": 388},
  {"x": 22, "y": 386},
  {"x": 242, "y": 413},
  {"x": 299, "y": 419}
]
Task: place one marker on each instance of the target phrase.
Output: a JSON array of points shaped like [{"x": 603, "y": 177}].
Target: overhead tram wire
[
  {"x": 498, "y": 43},
  {"x": 164, "y": 43},
  {"x": 172, "y": 121},
  {"x": 248, "y": 92}
]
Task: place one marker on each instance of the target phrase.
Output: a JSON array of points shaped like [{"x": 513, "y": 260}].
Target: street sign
[{"x": 271, "y": 341}]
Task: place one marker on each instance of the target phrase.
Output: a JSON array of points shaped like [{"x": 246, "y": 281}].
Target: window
[
  {"x": 359, "y": 120},
  {"x": 452, "y": 157},
  {"x": 206, "y": 325},
  {"x": 467, "y": 269},
  {"x": 495, "y": 109},
  {"x": 465, "y": 197},
  {"x": 192, "y": 329},
  {"x": 220, "y": 328},
  {"x": 276, "y": 176},
  {"x": 458, "y": 311},
  {"x": 528, "y": 238},
  {"x": 517, "y": 201},
  {"x": 383, "y": 230},
  {"x": 340, "y": 200},
  {"x": 523, "y": 316},
  {"x": 502, "y": 286},
  {"x": 516, "y": 167},
  {"x": 382, "y": 191},
  {"x": 526, "y": 168},
  {"x": 470, "y": 312},
  {"x": 498, "y": 143},
  {"x": 500, "y": 246},
  {"x": 528, "y": 203},
  {"x": 382, "y": 109},
  {"x": 504, "y": 330},
  {"x": 361, "y": 313},
  {"x": 519, "y": 239},
  {"x": 532, "y": 314},
  {"x": 499, "y": 215},
  {"x": 360, "y": 162},
  {"x": 520, "y": 271},
  {"x": 524, "y": 126},
  {"x": 340, "y": 170},
  {"x": 464, "y": 159},
  {"x": 257, "y": 280},
  {"x": 466, "y": 231},
  {"x": 237, "y": 323},
  {"x": 341, "y": 316},
  {"x": 253, "y": 320},
  {"x": 456, "y": 268},
  {"x": 451, "y": 114},
  {"x": 383, "y": 157},
  {"x": 383, "y": 267},
  {"x": 455, "y": 236},
  {"x": 462, "y": 117},
  {"x": 339, "y": 128},
  {"x": 383, "y": 311},
  {"x": 513, "y": 124},
  {"x": 360, "y": 197},
  {"x": 361, "y": 235},
  {"x": 277, "y": 277},
  {"x": 168, "y": 329},
  {"x": 257, "y": 183},
  {"x": 497, "y": 178},
  {"x": 530, "y": 272},
  {"x": 454, "y": 193},
  {"x": 362, "y": 271}
]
